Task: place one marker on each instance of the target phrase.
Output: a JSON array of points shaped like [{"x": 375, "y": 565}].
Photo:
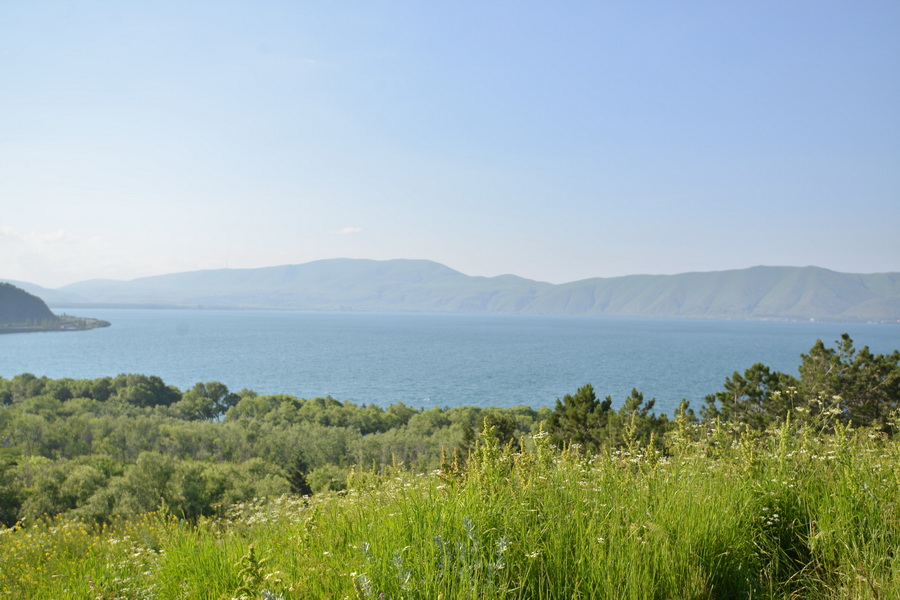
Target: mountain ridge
[{"x": 415, "y": 285}]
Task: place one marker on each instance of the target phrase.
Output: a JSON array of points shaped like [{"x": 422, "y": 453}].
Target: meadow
[{"x": 804, "y": 509}]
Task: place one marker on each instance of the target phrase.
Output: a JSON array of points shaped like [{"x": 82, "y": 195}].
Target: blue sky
[{"x": 556, "y": 141}]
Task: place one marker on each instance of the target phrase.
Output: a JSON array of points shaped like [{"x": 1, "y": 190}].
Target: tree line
[{"x": 835, "y": 384}]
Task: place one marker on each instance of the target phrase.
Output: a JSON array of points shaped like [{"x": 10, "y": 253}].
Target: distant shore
[{"x": 64, "y": 323}]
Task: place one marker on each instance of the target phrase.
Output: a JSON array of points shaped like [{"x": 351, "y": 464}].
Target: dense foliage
[
  {"x": 857, "y": 386},
  {"x": 124, "y": 445}
]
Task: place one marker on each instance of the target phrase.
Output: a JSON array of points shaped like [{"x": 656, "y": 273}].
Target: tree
[
  {"x": 146, "y": 484},
  {"x": 757, "y": 398},
  {"x": 865, "y": 386},
  {"x": 10, "y": 500},
  {"x": 25, "y": 385},
  {"x": 296, "y": 476},
  {"x": 205, "y": 401},
  {"x": 635, "y": 422},
  {"x": 136, "y": 395},
  {"x": 579, "y": 419}
]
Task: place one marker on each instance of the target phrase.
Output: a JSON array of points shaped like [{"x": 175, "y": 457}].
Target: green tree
[
  {"x": 757, "y": 398},
  {"x": 25, "y": 385},
  {"x": 635, "y": 422},
  {"x": 865, "y": 386},
  {"x": 136, "y": 395},
  {"x": 10, "y": 498},
  {"x": 41, "y": 480},
  {"x": 146, "y": 484},
  {"x": 80, "y": 484},
  {"x": 205, "y": 401},
  {"x": 154, "y": 391},
  {"x": 579, "y": 419}
]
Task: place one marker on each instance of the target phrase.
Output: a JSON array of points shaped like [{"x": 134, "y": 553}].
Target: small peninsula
[{"x": 21, "y": 312}]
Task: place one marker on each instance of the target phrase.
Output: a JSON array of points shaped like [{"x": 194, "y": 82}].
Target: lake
[{"x": 427, "y": 360}]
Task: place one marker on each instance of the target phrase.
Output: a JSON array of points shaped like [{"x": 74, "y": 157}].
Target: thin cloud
[
  {"x": 347, "y": 231},
  {"x": 52, "y": 257},
  {"x": 40, "y": 238}
]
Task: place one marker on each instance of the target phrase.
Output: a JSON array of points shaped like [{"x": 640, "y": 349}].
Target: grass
[{"x": 786, "y": 514}]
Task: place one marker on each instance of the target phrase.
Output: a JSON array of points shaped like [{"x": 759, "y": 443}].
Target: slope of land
[
  {"x": 19, "y": 308},
  {"x": 21, "y": 312},
  {"x": 424, "y": 286}
]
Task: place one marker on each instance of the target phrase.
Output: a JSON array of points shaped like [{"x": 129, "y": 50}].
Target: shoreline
[{"x": 65, "y": 323}]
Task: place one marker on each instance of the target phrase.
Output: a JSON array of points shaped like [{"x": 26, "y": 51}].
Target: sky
[{"x": 553, "y": 140}]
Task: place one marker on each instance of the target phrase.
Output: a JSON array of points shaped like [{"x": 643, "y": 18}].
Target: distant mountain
[
  {"x": 337, "y": 284},
  {"x": 50, "y": 296},
  {"x": 425, "y": 286},
  {"x": 755, "y": 293},
  {"x": 18, "y": 307}
]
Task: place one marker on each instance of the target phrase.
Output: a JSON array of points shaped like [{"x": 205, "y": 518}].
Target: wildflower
[{"x": 503, "y": 544}]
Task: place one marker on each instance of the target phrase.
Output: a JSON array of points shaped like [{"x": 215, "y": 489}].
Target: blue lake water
[{"x": 427, "y": 360}]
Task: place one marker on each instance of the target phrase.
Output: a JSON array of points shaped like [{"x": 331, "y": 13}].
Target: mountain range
[{"x": 798, "y": 293}]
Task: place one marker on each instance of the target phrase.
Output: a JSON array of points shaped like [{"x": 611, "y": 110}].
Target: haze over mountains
[{"x": 425, "y": 286}]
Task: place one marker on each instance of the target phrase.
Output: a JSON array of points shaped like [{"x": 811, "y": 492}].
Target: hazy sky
[{"x": 553, "y": 140}]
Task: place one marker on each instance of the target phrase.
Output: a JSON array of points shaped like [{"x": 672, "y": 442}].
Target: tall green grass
[{"x": 791, "y": 513}]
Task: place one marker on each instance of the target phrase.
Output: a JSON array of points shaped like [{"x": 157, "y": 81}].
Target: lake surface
[{"x": 427, "y": 360}]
